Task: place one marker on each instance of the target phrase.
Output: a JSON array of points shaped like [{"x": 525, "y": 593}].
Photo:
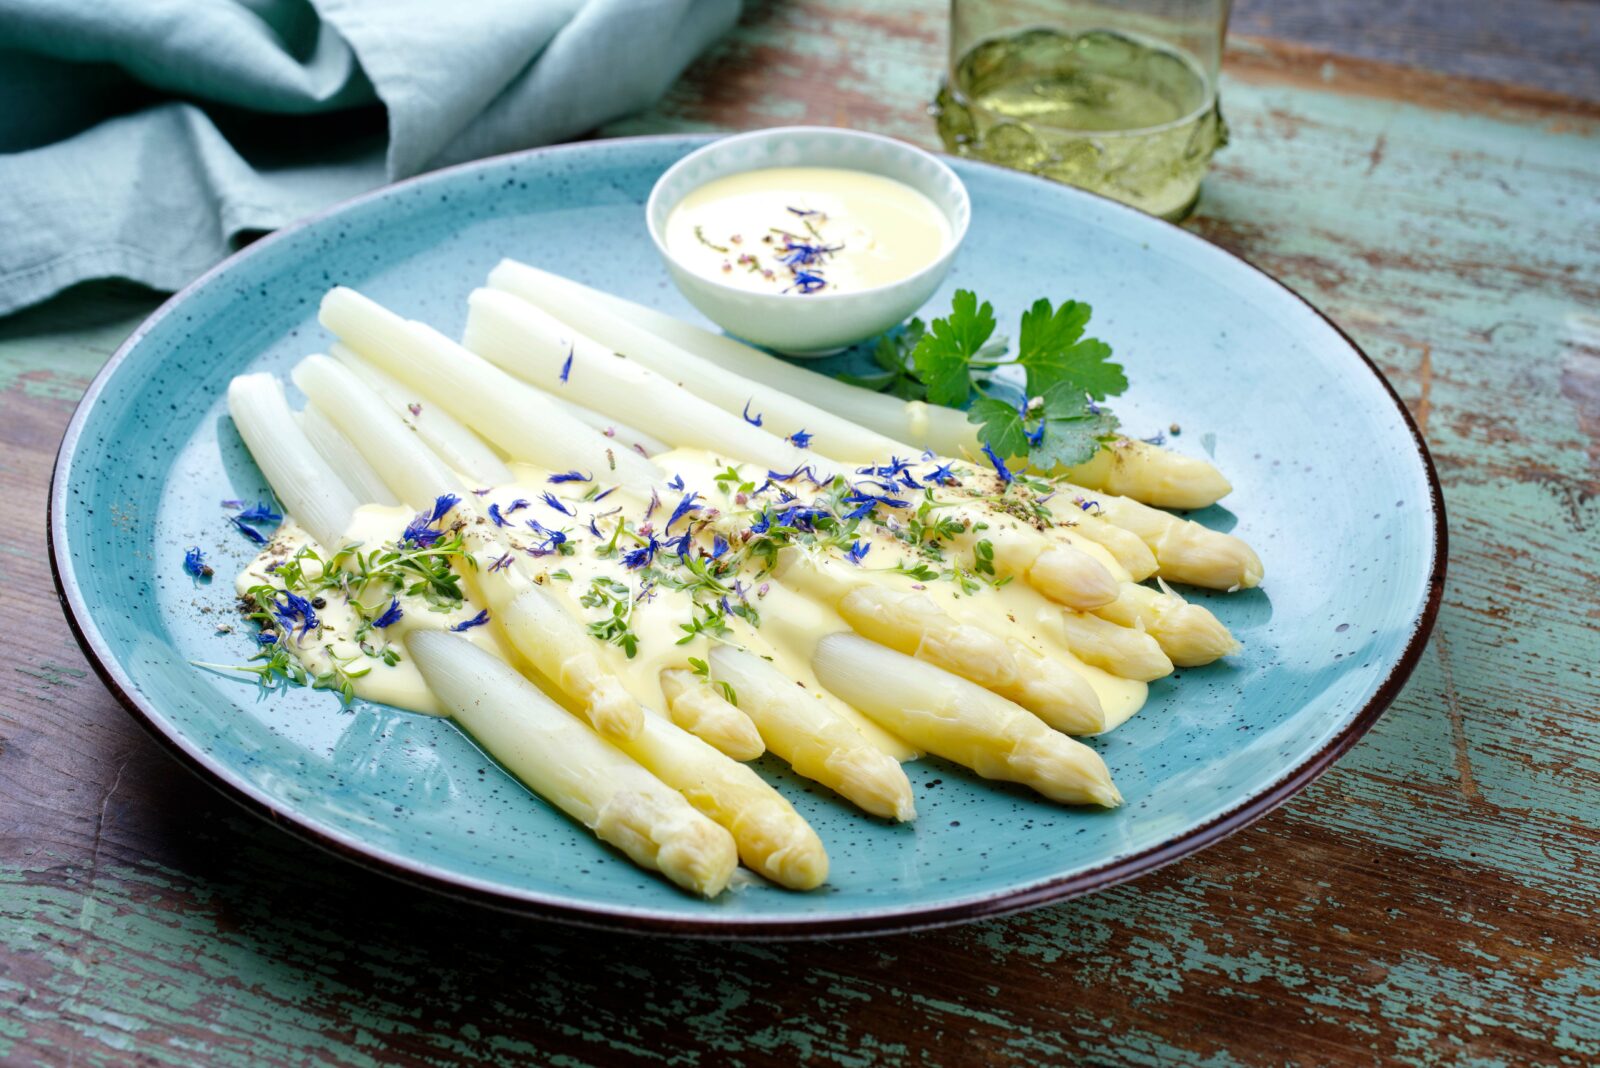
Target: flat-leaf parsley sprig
[{"x": 1059, "y": 421}]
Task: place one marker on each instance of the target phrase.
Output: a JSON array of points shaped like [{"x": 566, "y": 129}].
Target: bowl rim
[
  {"x": 719, "y": 142},
  {"x": 633, "y": 920}
]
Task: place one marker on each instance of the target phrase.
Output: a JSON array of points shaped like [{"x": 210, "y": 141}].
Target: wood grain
[{"x": 1430, "y": 901}]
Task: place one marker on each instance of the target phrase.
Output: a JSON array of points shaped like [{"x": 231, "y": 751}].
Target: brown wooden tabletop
[{"x": 1432, "y": 900}]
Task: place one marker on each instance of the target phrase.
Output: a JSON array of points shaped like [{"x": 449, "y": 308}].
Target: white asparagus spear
[
  {"x": 1132, "y": 468},
  {"x": 773, "y": 839},
  {"x": 310, "y": 489},
  {"x": 566, "y": 763},
  {"x": 1127, "y": 652},
  {"x": 962, "y": 721},
  {"x": 343, "y": 457},
  {"x": 1125, "y": 546},
  {"x": 548, "y": 632},
  {"x": 783, "y": 412},
  {"x": 451, "y": 441},
  {"x": 887, "y": 415},
  {"x": 520, "y": 419},
  {"x": 1184, "y": 550},
  {"x": 1153, "y": 475},
  {"x": 1059, "y": 565},
  {"x": 420, "y": 477},
  {"x": 812, "y": 738},
  {"x": 696, "y": 706},
  {"x": 535, "y": 346},
  {"x": 645, "y": 444},
  {"x": 535, "y": 622},
  {"x": 412, "y": 471},
  {"x": 1188, "y": 633},
  {"x": 913, "y": 624}
]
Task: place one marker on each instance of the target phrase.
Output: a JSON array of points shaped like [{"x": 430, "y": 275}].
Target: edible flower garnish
[
  {"x": 752, "y": 420},
  {"x": 555, "y": 502},
  {"x": 294, "y": 608},
  {"x": 259, "y": 513},
  {"x": 676, "y": 483},
  {"x": 868, "y": 502},
  {"x": 807, "y": 281},
  {"x": 246, "y": 520},
  {"x": 566, "y": 365},
  {"x": 685, "y": 506},
  {"x": 634, "y": 559},
  {"x": 553, "y": 539},
  {"x": 800, "y": 439},
  {"x": 858, "y": 551},
  {"x": 476, "y": 621},
  {"x": 194, "y": 562},
  {"x": 391, "y": 615},
  {"x": 999, "y": 465},
  {"x": 571, "y": 476}
]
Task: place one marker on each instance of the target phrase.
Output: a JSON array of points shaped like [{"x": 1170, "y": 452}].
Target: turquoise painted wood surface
[{"x": 1430, "y": 901}]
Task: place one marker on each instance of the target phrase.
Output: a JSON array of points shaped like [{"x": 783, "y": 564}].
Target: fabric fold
[{"x": 144, "y": 139}]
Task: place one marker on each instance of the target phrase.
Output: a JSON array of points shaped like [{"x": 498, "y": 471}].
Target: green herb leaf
[
  {"x": 999, "y": 426},
  {"x": 1072, "y": 431},
  {"x": 1053, "y": 351},
  {"x": 943, "y": 355}
]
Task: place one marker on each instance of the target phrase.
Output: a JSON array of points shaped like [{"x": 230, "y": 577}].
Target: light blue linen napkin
[{"x": 141, "y": 139}]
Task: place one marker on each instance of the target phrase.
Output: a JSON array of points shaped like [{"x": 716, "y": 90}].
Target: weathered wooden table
[{"x": 1431, "y": 900}]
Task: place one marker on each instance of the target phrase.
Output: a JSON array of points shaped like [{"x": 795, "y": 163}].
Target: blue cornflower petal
[
  {"x": 676, "y": 483},
  {"x": 685, "y": 506},
  {"x": 571, "y": 476},
  {"x": 391, "y": 615},
  {"x": 442, "y": 505},
  {"x": 194, "y": 562},
  {"x": 858, "y": 552},
  {"x": 637, "y": 558},
  {"x": 800, "y": 439},
  {"x": 553, "y": 501},
  {"x": 752, "y": 420},
  {"x": 294, "y": 607},
  {"x": 807, "y": 281},
  {"x": 999, "y": 465},
  {"x": 259, "y": 513},
  {"x": 719, "y": 545},
  {"x": 566, "y": 366},
  {"x": 476, "y": 621},
  {"x": 501, "y": 562},
  {"x": 942, "y": 475},
  {"x": 495, "y": 517},
  {"x": 248, "y": 531},
  {"x": 420, "y": 531}
]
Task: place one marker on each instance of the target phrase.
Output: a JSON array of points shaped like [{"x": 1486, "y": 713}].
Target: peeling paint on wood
[{"x": 1430, "y": 901}]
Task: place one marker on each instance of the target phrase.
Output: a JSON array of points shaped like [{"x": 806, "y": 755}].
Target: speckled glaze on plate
[{"x": 1332, "y": 486}]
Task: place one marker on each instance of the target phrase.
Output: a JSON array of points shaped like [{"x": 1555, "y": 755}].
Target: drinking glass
[{"x": 1118, "y": 97}]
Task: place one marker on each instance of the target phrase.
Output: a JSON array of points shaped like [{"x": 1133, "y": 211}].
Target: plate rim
[{"x": 604, "y": 916}]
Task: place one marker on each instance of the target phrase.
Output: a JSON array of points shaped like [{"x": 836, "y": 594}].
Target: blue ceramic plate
[{"x": 1333, "y": 488}]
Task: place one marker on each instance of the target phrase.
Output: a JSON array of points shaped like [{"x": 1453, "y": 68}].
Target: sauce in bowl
[{"x": 806, "y": 230}]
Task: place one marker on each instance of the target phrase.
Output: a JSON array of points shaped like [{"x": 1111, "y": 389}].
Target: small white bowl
[{"x": 819, "y": 323}]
